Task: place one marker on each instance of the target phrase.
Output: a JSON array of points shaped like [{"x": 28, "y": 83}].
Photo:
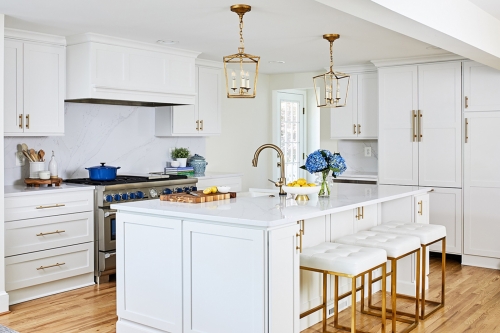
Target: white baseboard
[
  {"x": 125, "y": 326},
  {"x": 485, "y": 262},
  {"x": 4, "y": 302}
]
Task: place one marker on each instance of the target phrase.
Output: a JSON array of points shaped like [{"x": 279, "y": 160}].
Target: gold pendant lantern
[
  {"x": 332, "y": 87},
  {"x": 239, "y": 67}
]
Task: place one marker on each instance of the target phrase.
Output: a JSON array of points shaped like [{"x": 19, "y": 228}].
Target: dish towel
[{"x": 4, "y": 329}]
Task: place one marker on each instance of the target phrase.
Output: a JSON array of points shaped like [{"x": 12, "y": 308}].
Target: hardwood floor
[{"x": 472, "y": 305}]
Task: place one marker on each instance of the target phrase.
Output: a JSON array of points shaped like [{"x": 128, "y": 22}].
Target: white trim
[
  {"x": 96, "y": 38},
  {"x": 477, "y": 261},
  {"x": 417, "y": 60},
  {"x": 209, "y": 63},
  {"x": 362, "y": 68},
  {"x": 31, "y": 36}
]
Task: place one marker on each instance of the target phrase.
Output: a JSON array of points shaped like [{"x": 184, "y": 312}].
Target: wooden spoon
[
  {"x": 24, "y": 146},
  {"x": 41, "y": 154},
  {"x": 28, "y": 156},
  {"x": 33, "y": 155}
]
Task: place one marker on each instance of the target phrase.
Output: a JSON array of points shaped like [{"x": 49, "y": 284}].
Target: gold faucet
[{"x": 281, "y": 181}]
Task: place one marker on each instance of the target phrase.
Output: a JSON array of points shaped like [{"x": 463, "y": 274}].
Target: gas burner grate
[{"x": 121, "y": 180}]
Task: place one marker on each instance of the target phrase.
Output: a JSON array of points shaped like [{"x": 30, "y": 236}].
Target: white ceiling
[
  {"x": 490, "y": 6},
  {"x": 288, "y": 30}
]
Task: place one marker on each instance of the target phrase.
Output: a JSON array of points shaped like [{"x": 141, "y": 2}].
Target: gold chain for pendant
[
  {"x": 241, "y": 32},
  {"x": 331, "y": 56}
]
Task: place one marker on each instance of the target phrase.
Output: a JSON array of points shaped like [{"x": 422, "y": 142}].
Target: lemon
[
  {"x": 311, "y": 184},
  {"x": 296, "y": 185},
  {"x": 214, "y": 189},
  {"x": 207, "y": 190},
  {"x": 301, "y": 181},
  {"x": 289, "y": 184}
]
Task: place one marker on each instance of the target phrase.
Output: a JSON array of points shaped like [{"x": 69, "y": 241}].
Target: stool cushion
[
  {"x": 427, "y": 233},
  {"x": 394, "y": 245},
  {"x": 342, "y": 258}
]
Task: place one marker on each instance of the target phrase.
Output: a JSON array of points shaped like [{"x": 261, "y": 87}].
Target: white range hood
[{"x": 109, "y": 70}]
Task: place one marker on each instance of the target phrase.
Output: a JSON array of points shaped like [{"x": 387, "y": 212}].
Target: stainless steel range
[{"x": 123, "y": 189}]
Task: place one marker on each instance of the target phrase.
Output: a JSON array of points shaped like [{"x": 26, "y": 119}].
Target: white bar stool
[
  {"x": 397, "y": 247},
  {"x": 428, "y": 235},
  {"x": 346, "y": 261}
]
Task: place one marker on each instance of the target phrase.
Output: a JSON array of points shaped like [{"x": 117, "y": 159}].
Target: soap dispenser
[{"x": 53, "y": 167}]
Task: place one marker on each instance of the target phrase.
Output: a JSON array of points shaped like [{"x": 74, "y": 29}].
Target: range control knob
[
  {"x": 132, "y": 196},
  {"x": 194, "y": 188},
  {"x": 139, "y": 194},
  {"x": 178, "y": 190},
  {"x": 185, "y": 189},
  {"x": 125, "y": 196},
  {"x": 109, "y": 198},
  {"x": 167, "y": 191},
  {"x": 117, "y": 197}
]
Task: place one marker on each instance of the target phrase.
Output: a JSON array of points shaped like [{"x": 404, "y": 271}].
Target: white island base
[{"x": 233, "y": 266}]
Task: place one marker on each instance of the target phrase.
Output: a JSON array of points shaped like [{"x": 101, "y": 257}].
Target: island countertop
[{"x": 266, "y": 211}]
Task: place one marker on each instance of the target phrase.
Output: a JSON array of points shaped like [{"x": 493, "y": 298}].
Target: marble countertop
[
  {"x": 21, "y": 190},
  {"x": 359, "y": 175},
  {"x": 267, "y": 212}
]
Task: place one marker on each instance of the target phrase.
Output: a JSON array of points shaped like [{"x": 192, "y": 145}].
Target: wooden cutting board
[{"x": 187, "y": 198}]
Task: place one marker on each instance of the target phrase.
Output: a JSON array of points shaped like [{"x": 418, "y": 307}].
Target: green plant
[{"x": 180, "y": 153}]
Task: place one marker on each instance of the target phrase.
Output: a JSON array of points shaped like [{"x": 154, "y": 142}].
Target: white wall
[
  {"x": 4, "y": 297},
  {"x": 246, "y": 125},
  {"x": 121, "y": 136}
]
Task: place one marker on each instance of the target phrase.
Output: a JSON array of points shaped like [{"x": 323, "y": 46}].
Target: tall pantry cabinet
[
  {"x": 420, "y": 132},
  {"x": 481, "y": 166}
]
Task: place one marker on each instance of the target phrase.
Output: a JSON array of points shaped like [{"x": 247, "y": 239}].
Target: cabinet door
[
  {"x": 223, "y": 273},
  {"x": 44, "y": 86},
  {"x": 481, "y": 161},
  {"x": 149, "y": 271},
  {"x": 209, "y": 100},
  {"x": 368, "y": 106},
  {"x": 344, "y": 120},
  {"x": 481, "y": 87},
  {"x": 366, "y": 217},
  {"x": 421, "y": 209},
  {"x": 13, "y": 87},
  {"x": 445, "y": 208},
  {"x": 398, "y": 149},
  {"x": 440, "y": 125},
  {"x": 481, "y": 221},
  {"x": 184, "y": 120}
]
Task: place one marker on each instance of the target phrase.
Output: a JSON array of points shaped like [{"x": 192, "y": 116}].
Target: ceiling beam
[{"x": 457, "y": 26}]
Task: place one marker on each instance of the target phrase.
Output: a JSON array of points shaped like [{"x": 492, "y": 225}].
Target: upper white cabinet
[
  {"x": 201, "y": 119},
  {"x": 359, "y": 118},
  {"x": 420, "y": 125},
  {"x": 481, "y": 87},
  {"x": 34, "y": 84},
  {"x": 103, "y": 67}
]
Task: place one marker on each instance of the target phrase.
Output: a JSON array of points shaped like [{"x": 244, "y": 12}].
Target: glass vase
[{"x": 323, "y": 181}]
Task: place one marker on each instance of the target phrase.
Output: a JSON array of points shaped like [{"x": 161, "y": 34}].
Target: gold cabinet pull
[
  {"x": 421, "y": 209},
  {"x": 359, "y": 129},
  {"x": 299, "y": 234},
  {"x": 50, "y": 233},
  {"x": 361, "y": 213},
  {"x": 27, "y": 121},
  {"x": 21, "y": 121},
  {"x": 55, "y": 265},
  {"x": 51, "y": 206},
  {"x": 413, "y": 127},
  {"x": 419, "y": 125},
  {"x": 466, "y": 102},
  {"x": 201, "y": 125},
  {"x": 466, "y": 130},
  {"x": 197, "y": 125},
  {"x": 354, "y": 125}
]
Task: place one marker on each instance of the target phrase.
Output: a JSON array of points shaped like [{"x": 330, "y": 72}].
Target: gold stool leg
[
  {"x": 393, "y": 293},
  {"x": 417, "y": 289},
  {"x": 325, "y": 275},
  {"x": 336, "y": 310},
  {"x": 384, "y": 272},
  {"x": 353, "y": 306},
  {"x": 424, "y": 272},
  {"x": 443, "y": 269}
]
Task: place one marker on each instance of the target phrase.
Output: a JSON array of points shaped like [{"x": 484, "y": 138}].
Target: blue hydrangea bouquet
[{"x": 324, "y": 161}]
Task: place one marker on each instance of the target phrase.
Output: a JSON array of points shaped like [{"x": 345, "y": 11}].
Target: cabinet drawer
[
  {"x": 48, "y": 232},
  {"x": 45, "y": 266},
  {"x": 33, "y": 206}
]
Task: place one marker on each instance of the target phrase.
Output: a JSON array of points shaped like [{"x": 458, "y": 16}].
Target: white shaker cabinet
[
  {"x": 201, "y": 119},
  {"x": 420, "y": 125},
  {"x": 359, "y": 118},
  {"x": 481, "y": 87},
  {"x": 34, "y": 88}
]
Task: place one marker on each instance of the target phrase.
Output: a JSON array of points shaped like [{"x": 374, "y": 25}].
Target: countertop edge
[{"x": 20, "y": 190}]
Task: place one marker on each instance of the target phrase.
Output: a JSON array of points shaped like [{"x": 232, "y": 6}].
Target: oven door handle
[
  {"x": 108, "y": 214},
  {"x": 107, "y": 255}
]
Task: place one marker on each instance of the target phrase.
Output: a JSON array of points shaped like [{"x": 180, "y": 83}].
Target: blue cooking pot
[{"x": 102, "y": 172}]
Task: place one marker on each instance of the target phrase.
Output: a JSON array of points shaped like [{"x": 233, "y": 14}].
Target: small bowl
[
  {"x": 44, "y": 174},
  {"x": 223, "y": 189},
  {"x": 175, "y": 164}
]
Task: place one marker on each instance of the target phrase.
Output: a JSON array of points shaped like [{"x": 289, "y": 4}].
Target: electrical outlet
[
  {"x": 368, "y": 192},
  {"x": 368, "y": 151},
  {"x": 20, "y": 159}
]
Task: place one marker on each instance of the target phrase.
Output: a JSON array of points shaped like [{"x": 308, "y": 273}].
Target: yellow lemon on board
[
  {"x": 214, "y": 189},
  {"x": 207, "y": 190}
]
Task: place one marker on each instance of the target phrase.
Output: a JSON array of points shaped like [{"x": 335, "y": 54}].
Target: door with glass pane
[{"x": 291, "y": 134}]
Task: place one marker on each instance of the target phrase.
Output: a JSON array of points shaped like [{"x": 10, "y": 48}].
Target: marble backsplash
[
  {"x": 353, "y": 152},
  {"x": 118, "y": 135}
]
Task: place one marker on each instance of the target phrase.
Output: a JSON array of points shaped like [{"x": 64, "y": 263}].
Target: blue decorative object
[
  {"x": 324, "y": 161},
  {"x": 199, "y": 164}
]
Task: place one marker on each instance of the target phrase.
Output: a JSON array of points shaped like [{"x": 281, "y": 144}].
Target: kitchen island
[{"x": 233, "y": 265}]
